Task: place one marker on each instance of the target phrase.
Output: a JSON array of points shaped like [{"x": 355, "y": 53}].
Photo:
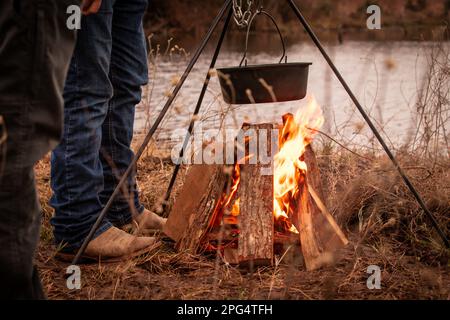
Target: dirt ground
[{"x": 408, "y": 272}]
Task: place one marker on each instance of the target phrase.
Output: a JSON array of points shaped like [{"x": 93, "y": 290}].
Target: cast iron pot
[{"x": 277, "y": 82}]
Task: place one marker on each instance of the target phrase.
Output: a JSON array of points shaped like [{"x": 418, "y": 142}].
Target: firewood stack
[{"x": 230, "y": 209}]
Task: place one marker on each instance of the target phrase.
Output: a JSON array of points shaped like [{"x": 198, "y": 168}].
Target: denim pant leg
[
  {"x": 35, "y": 49},
  {"x": 77, "y": 172},
  {"x": 20, "y": 214},
  {"x": 128, "y": 72}
]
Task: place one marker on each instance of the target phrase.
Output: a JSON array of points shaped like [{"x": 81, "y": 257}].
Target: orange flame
[
  {"x": 235, "y": 209},
  {"x": 289, "y": 168},
  {"x": 234, "y": 186}
]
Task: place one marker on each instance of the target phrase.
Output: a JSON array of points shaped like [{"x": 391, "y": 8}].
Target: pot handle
[{"x": 260, "y": 11}]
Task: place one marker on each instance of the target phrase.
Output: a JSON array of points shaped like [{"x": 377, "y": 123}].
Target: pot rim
[{"x": 263, "y": 66}]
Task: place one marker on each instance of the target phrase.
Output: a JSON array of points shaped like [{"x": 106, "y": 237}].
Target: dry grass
[
  {"x": 372, "y": 200},
  {"x": 385, "y": 227}
]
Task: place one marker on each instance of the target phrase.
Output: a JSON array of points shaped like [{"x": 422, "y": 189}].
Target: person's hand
[{"x": 90, "y": 6}]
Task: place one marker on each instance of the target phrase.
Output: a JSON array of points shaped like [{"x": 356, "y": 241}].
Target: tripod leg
[
  {"x": 391, "y": 156},
  {"x": 196, "y": 112},
  {"x": 153, "y": 129}
]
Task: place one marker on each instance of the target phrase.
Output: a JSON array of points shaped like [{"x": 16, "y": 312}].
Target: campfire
[{"x": 250, "y": 211}]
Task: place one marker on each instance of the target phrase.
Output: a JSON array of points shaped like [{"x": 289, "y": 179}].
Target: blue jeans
[
  {"x": 35, "y": 50},
  {"x": 102, "y": 88}
]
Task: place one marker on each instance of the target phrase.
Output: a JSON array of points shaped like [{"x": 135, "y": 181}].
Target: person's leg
[
  {"x": 128, "y": 73},
  {"x": 19, "y": 212},
  {"x": 77, "y": 173},
  {"x": 35, "y": 49}
]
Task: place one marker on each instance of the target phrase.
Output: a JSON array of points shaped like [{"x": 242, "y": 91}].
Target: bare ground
[{"x": 383, "y": 223}]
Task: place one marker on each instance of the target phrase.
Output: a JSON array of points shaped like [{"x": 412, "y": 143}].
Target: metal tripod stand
[{"x": 228, "y": 10}]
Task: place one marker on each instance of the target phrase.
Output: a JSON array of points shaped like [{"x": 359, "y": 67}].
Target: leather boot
[
  {"x": 148, "y": 223},
  {"x": 115, "y": 245}
]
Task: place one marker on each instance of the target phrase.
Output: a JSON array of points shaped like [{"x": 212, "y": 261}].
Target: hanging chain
[{"x": 242, "y": 18}]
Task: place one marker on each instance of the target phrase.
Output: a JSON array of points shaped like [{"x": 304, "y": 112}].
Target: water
[{"x": 385, "y": 77}]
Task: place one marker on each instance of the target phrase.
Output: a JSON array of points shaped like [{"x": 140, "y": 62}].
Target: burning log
[{"x": 320, "y": 236}]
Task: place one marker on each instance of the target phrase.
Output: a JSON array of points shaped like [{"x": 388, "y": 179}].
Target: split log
[
  {"x": 330, "y": 233},
  {"x": 279, "y": 238},
  {"x": 192, "y": 211},
  {"x": 191, "y": 220},
  {"x": 320, "y": 236},
  {"x": 256, "y": 221}
]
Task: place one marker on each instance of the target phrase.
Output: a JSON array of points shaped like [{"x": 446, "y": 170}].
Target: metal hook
[{"x": 258, "y": 12}]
